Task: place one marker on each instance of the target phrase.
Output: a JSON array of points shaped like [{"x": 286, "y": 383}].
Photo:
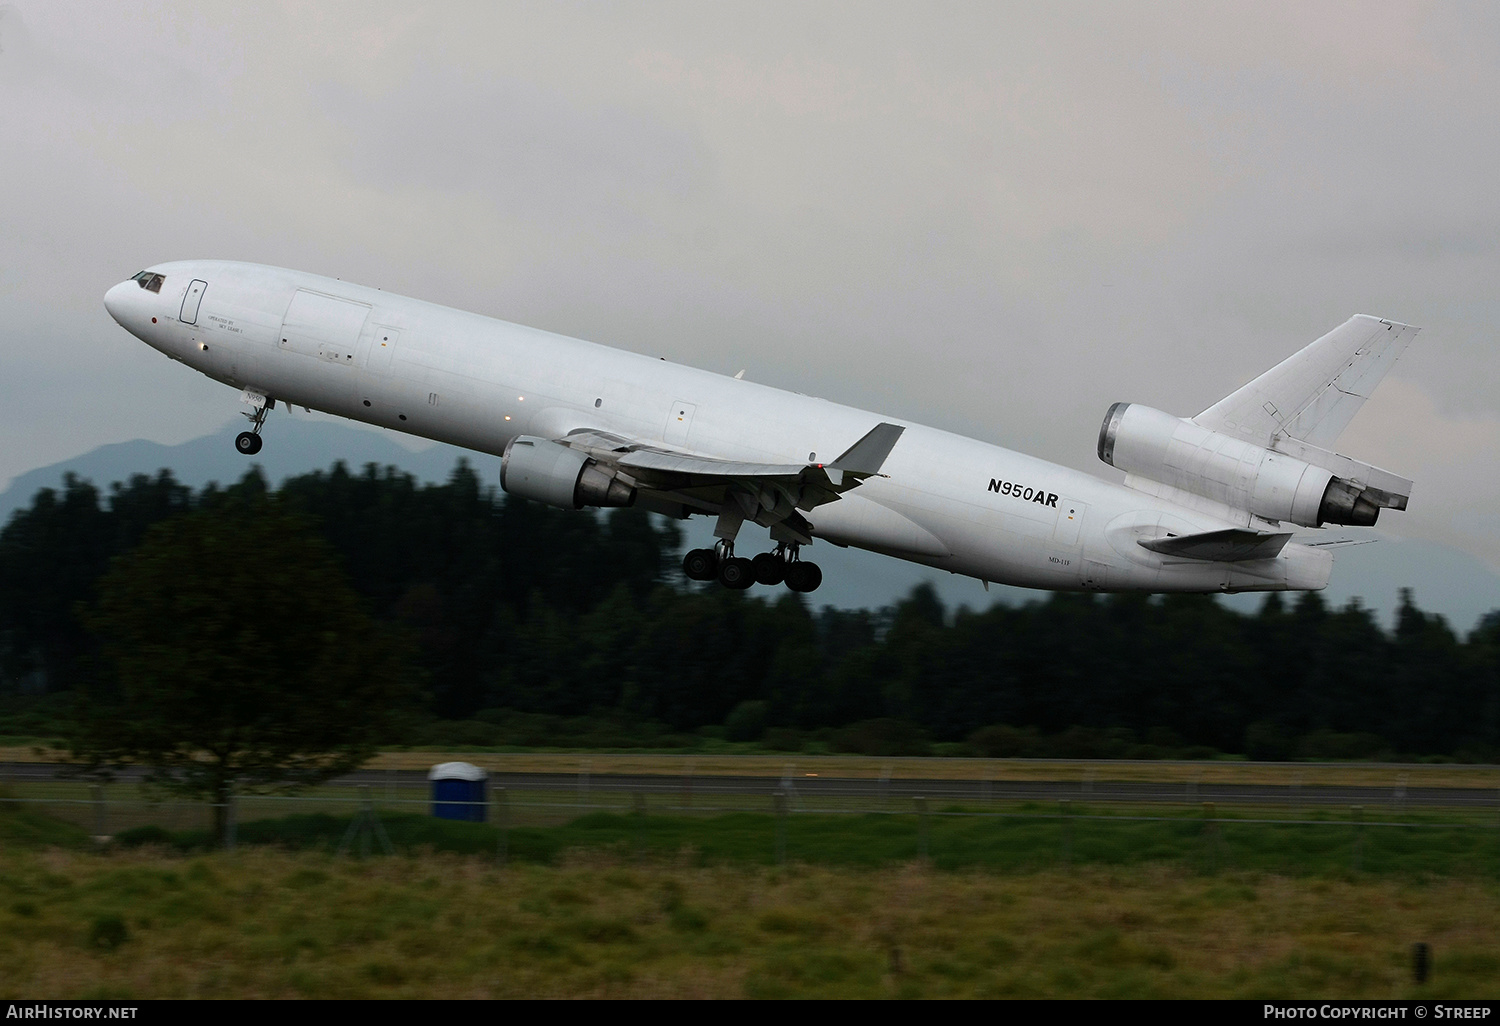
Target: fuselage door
[
  {"x": 189, "y": 314},
  {"x": 1069, "y": 519},
  {"x": 679, "y": 422},
  {"x": 382, "y": 348}
]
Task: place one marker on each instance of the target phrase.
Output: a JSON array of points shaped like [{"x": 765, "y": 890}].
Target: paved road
[{"x": 836, "y": 788}]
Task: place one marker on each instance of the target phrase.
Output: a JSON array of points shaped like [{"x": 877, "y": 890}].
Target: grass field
[
  {"x": 266, "y": 923},
  {"x": 660, "y": 906}
]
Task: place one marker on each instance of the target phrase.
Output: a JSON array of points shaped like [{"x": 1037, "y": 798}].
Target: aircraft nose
[{"x": 116, "y": 300}]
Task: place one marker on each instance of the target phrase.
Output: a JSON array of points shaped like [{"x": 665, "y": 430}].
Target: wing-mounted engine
[
  {"x": 547, "y": 471},
  {"x": 1291, "y": 480},
  {"x": 595, "y": 467}
]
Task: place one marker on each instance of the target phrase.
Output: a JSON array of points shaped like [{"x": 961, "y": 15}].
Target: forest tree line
[{"x": 524, "y": 624}]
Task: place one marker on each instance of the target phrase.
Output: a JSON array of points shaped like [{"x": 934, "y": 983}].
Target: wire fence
[{"x": 105, "y": 811}]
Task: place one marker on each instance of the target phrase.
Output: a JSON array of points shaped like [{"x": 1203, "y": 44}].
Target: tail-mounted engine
[
  {"x": 1292, "y": 481},
  {"x": 536, "y": 468}
]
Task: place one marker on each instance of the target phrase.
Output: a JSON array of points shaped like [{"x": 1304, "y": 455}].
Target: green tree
[{"x": 236, "y": 657}]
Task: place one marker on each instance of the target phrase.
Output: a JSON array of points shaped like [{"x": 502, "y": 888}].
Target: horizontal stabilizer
[
  {"x": 1380, "y": 487},
  {"x": 1233, "y": 545},
  {"x": 867, "y": 455}
]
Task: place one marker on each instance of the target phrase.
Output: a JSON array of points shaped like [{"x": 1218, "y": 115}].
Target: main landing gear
[
  {"x": 784, "y": 565},
  {"x": 248, "y": 442}
]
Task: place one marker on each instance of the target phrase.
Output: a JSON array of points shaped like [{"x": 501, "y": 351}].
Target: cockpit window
[{"x": 149, "y": 281}]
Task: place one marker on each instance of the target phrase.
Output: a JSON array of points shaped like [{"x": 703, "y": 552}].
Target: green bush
[
  {"x": 747, "y": 721},
  {"x": 884, "y": 736}
]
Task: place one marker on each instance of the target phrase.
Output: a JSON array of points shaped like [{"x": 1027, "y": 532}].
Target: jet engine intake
[
  {"x": 540, "y": 469},
  {"x": 1240, "y": 474}
]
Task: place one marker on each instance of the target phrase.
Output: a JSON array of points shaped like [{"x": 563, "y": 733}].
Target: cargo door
[{"x": 323, "y": 326}]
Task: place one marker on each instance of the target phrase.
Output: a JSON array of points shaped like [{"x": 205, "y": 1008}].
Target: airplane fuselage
[{"x": 951, "y": 502}]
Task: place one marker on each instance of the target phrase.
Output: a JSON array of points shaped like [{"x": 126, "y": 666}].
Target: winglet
[{"x": 867, "y": 455}]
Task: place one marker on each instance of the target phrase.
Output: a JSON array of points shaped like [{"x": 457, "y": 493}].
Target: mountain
[
  {"x": 1444, "y": 580},
  {"x": 294, "y": 445}
]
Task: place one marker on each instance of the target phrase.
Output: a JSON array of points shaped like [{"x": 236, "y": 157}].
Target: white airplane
[{"x": 1208, "y": 503}]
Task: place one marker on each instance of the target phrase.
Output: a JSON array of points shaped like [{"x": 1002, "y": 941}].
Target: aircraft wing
[{"x": 770, "y": 494}]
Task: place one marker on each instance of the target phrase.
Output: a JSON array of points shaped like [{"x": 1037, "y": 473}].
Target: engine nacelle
[
  {"x": 1241, "y": 474},
  {"x": 540, "y": 469}
]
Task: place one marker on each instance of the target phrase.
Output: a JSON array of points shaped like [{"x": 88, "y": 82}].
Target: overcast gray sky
[{"x": 992, "y": 218}]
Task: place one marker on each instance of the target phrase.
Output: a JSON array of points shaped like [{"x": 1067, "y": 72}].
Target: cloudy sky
[{"x": 996, "y": 219}]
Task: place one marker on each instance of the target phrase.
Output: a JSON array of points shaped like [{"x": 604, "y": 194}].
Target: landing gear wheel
[
  {"x": 736, "y": 573},
  {"x": 247, "y": 443},
  {"x": 803, "y": 577},
  {"x": 769, "y": 568},
  {"x": 701, "y": 565}
]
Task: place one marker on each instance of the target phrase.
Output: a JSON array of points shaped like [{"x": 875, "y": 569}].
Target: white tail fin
[{"x": 1313, "y": 394}]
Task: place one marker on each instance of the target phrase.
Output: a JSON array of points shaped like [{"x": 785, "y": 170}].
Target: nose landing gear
[{"x": 249, "y": 442}]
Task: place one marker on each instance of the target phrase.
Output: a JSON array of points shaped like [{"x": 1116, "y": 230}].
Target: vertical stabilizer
[{"x": 1313, "y": 394}]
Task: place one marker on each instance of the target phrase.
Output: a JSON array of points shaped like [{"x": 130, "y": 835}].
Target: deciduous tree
[{"x": 235, "y": 657}]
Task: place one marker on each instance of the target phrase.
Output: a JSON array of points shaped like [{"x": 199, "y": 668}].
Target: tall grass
[
  {"x": 657, "y": 906},
  {"x": 269, "y": 923}
]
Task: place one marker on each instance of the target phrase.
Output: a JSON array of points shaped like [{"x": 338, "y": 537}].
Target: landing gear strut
[
  {"x": 735, "y": 573},
  {"x": 249, "y": 442}
]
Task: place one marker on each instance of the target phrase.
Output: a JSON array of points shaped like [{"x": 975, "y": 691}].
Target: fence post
[
  {"x": 1064, "y": 808},
  {"x": 366, "y": 824},
  {"x": 779, "y": 798},
  {"x": 98, "y": 796},
  {"x": 230, "y": 826},
  {"x": 639, "y": 817},
  {"x": 502, "y": 824},
  {"x": 922, "y": 825},
  {"x": 1421, "y": 962},
  {"x": 1211, "y": 828},
  {"x": 1358, "y": 812}
]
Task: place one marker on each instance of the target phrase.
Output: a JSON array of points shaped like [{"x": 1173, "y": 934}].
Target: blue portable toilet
[{"x": 458, "y": 792}]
